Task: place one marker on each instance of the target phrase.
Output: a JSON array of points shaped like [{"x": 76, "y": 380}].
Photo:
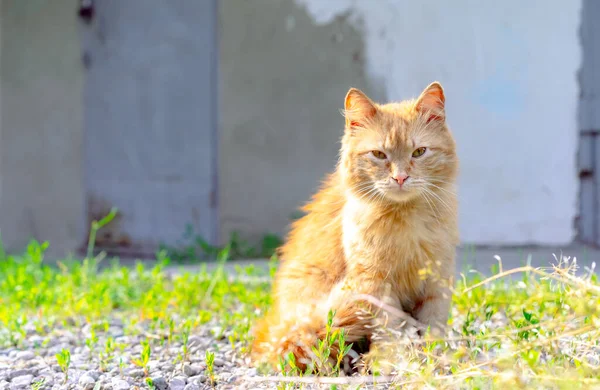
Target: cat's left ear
[
  {"x": 358, "y": 108},
  {"x": 432, "y": 102}
]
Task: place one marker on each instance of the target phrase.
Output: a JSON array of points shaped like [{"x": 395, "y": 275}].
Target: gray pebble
[
  {"x": 115, "y": 331},
  {"x": 219, "y": 362},
  {"x": 198, "y": 379},
  {"x": 192, "y": 369},
  {"x": 177, "y": 384},
  {"x": 21, "y": 381},
  {"x": 136, "y": 373},
  {"x": 233, "y": 379},
  {"x": 191, "y": 386},
  {"x": 159, "y": 383},
  {"x": 22, "y": 372},
  {"x": 120, "y": 384},
  {"x": 45, "y": 371},
  {"x": 181, "y": 378},
  {"x": 152, "y": 364},
  {"x": 87, "y": 382},
  {"x": 167, "y": 367},
  {"x": 4, "y": 385},
  {"x": 36, "y": 340},
  {"x": 93, "y": 374}
]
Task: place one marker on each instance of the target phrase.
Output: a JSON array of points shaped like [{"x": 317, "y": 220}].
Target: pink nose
[{"x": 400, "y": 178}]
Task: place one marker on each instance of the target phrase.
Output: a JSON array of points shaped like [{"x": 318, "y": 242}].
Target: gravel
[
  {"x": 87, "y": 381},
  {"x": 34, "y": 365}
]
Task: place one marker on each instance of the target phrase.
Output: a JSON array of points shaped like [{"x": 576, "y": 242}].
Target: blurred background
[{"x": 204, "y": 120}]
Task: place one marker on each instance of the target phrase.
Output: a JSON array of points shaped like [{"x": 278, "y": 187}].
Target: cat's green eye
[
  {"x": 418, "y": 152},
  {"x": 378, "y": 154}
]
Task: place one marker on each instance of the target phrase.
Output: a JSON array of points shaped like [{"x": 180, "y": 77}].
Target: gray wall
[
  {"x": 589, "y": 122},
  {"x": 151, "y": 121},
  {"x": 285, "y": 67},
  {"x": 41, "y": 81},
  {"x": 282, "y": 83}
]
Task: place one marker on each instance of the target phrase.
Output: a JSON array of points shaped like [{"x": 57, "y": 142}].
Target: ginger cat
[{"x": 383, "y": 225}]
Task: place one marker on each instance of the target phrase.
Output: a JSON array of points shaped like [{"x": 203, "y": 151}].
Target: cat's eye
[
  {"x": 379, "y": 154},
  {"x": 418, "y": 152}
]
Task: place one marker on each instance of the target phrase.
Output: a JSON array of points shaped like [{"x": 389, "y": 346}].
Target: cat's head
[{"x": 397, "y": 151}]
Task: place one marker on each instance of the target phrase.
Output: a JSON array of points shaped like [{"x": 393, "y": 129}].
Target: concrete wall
[
  {"x": 511, "y": 82},
  {"x": 283, "y": 78},
  {"x": 151, "y": 121},
  {"x": 41, "y": 82},
  {"x": 510, "y": 78}
]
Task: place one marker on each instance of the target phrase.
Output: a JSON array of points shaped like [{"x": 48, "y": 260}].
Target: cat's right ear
[{"x": 358, "y": 108}]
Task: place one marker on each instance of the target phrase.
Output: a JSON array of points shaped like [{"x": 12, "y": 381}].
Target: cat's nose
[{"x": 400, "y": 178}]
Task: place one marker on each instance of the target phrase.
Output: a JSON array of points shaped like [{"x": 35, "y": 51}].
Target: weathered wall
[
  {"x": 510, "y": 78},
  {"x": 283, "y": 78},
  {"x": 511, "y": 83},
  {"x": 150, "y": 121},
  {"x": 41, "y": 81}
]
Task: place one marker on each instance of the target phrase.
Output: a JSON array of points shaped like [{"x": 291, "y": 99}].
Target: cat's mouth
[{"x": 395, "y": 192}]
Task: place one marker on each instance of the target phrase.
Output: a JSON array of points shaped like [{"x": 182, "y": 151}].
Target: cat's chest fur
[{"x": 393, "y": 247}]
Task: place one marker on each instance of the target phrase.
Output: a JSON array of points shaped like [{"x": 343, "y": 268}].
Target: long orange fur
[{"x": 363, "y": 233}]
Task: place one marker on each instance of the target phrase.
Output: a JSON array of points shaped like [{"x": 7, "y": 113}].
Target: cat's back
[{"x": 313, "y": 250}]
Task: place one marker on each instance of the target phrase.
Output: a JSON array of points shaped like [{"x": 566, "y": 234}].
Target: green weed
[
  {"x": 63, "y": 358},
  {"x": 144, "y": 358},
  {"x": 210, "y": 367}
]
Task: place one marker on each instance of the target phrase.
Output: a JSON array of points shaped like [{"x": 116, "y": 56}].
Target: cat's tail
[{"x": 298, "y": 332}]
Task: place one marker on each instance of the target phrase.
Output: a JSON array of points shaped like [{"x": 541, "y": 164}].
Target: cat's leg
[
  {"x": 368, "y": 309},
  {"x": 433, "y": 307},
  {"x": 433, "y": 310}
]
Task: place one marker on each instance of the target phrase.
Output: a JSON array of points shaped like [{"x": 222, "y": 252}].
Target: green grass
[
  {"x": 538, "y": 330},
  {"x": 36, "y": 297},
  {"x": 193, "y": 247}
]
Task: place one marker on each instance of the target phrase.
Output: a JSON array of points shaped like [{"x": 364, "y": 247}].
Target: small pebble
[
  {"x": 167, "y": 367},
  {"x": 191, "y": 386},
  {"x": 198, "y": 379},
  {"x": 192, "y": 369},
  {"x": 232, "y": 379},
  {"x": 35, "y": 340},
  {"x": 21, "y": 381},
  {"x": 23, "y": 372},
  {"x": 120, "y": 384},
  {"x": 87, "y": 382},
  {"x": 219, "y": 362},
  {"x": 93, "y": 374},
  {"x": 47, "y": 379},
  {"x": 177, "y": 384},
  {"x": 136, "y": 373},
  {"x": 159, "y": 383}
]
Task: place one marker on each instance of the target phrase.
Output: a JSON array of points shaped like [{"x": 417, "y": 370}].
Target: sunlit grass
[
  {"x": 36, "y": 298},
  {"x": 538, "y": 329}
]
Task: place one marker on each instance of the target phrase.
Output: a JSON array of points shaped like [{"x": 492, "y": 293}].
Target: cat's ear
[
  {"x": 432, "y": 102},
  {"x": 358, "y": 108}
]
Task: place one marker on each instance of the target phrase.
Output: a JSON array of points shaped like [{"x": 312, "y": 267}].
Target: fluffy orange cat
[{"x": 384, "y": 225}]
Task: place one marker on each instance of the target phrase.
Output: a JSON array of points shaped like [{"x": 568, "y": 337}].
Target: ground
[{"x": 79, "y": 325}]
